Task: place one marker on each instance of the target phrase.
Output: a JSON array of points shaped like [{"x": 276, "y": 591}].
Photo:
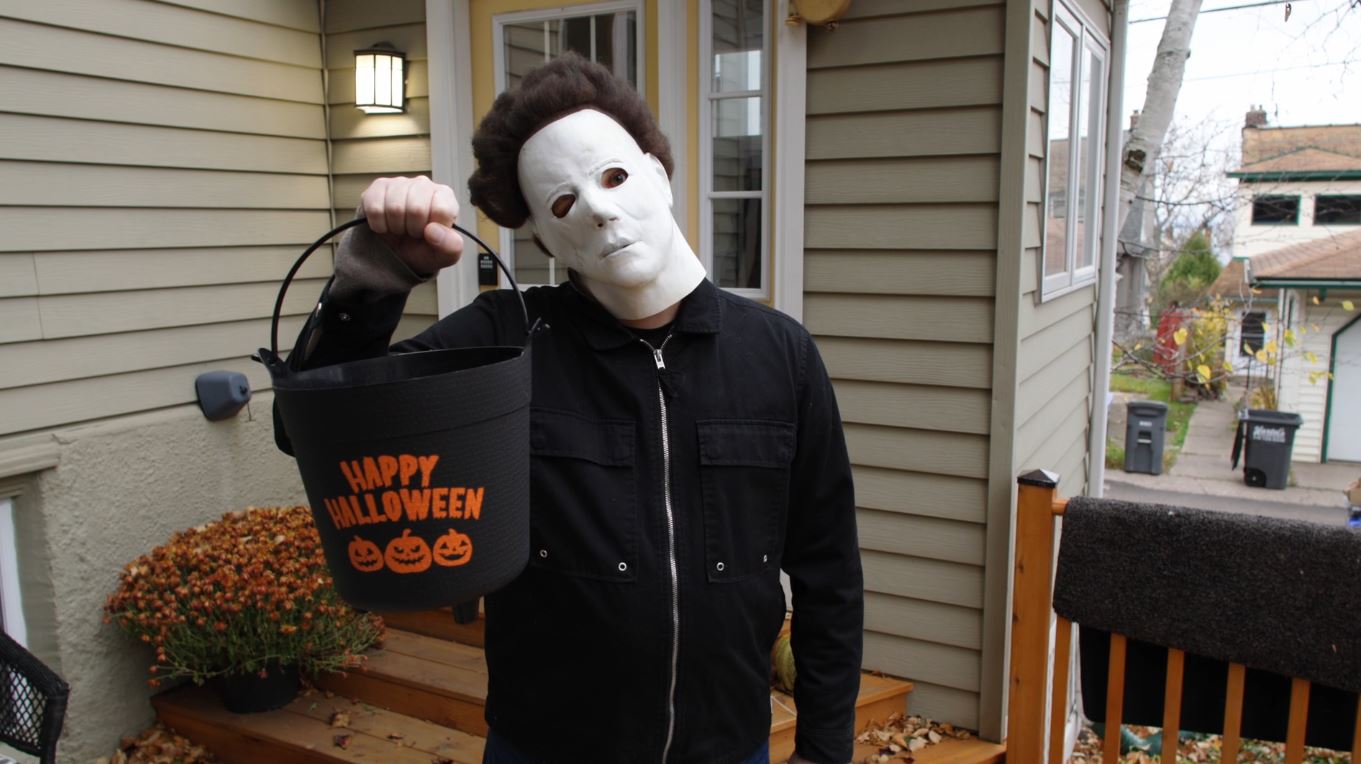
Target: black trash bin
[
  {"x": 1145, "y": 433},
  {"x": 1267, "y": 438}
]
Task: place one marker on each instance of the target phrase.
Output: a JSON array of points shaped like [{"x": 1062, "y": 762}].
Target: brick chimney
[
  {"x": 1134, "y": 120},
  {"x": 1256, "y": 117}
]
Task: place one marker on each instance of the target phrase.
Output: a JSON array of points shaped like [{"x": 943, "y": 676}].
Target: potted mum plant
[{"x": 244, "y": 603}]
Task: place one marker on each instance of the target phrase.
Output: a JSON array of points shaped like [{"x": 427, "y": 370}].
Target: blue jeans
[{"x": 498, "y": 751}]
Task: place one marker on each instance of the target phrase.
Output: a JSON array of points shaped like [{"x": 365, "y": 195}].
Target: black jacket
[{"x": 580, "y": 646}]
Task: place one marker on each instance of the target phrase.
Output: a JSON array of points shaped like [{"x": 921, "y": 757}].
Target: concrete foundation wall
[{"x": 120, "y": 489}]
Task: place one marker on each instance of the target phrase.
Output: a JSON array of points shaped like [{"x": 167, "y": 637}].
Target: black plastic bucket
[{"x": 416, "y": 465}]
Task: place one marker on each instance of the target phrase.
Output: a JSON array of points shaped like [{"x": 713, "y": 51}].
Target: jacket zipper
[{"x": 671, "y": 546}]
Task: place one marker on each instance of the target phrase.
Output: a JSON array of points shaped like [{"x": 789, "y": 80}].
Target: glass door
[{"x": 607, "y": 33}]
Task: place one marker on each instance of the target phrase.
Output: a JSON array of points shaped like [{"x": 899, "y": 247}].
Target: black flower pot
[{"x": 249, "y": 693}]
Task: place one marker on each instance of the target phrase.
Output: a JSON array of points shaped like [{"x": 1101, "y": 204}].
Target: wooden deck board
[
  {"x": 430, "y": 693},
  {"x": 248, "y": 738},
  {"x": 439, "y": 623},
  {"x": 435, "y": 650},
  {"x": 421, "y": 735}
]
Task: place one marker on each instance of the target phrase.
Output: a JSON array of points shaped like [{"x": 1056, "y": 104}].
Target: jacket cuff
[
  {"x": 367, "y": 270},
  {"x": 825, "y": 745}
]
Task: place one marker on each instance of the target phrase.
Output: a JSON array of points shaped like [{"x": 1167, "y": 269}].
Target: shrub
[{"x": 239, "y": 595}]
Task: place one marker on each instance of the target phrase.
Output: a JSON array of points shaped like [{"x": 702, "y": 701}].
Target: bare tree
[
  {"x": 1184, "y": 190},
  {"x": 1141, "y": 152}
]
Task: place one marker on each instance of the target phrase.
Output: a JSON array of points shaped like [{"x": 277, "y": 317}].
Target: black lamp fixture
[{"x": 380, "y": 80}]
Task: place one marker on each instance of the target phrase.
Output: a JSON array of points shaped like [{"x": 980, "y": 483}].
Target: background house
[
  {"x": 1297, "y": 216},
  {"x": 1295, "y": 184},
  {"x": 925, "y": 186},
  {"x": 1313, "y": 284}
]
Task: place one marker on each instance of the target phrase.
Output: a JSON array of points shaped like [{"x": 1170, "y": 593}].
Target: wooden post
[{"x": 1030, "y": 615}]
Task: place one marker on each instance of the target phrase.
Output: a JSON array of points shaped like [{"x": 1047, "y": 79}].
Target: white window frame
[
  {"x": 1088, "y": 42},
  {"x": 506, "y": 236},
  {"x": 706, "y": 160},
  {"x": 11, "y": 603}
]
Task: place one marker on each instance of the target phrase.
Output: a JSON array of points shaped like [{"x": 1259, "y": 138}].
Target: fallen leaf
[
  {"x": 342, "y": 741},
  {"x": 339, "y": 719}
]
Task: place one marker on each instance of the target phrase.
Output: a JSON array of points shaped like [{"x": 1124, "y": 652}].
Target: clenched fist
[{"x": 413, "y": 216}]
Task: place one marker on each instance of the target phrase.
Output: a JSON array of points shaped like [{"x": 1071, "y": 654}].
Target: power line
[
  {"x": 1225, "y": 8},
  {"x": 1261, "y": 72}
]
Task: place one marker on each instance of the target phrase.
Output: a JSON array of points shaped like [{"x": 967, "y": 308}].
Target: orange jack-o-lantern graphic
[
  {"x": 365, "y": 555},
  {"x": 453, "y": 549},
  {"x": 408, "y": 554}
]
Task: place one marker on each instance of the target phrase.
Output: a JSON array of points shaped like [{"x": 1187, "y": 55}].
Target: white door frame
[
  {"x": 450, "y": 64},
  {"x": 1335, "y": 386},
  {"x": 448, "y": 37}
]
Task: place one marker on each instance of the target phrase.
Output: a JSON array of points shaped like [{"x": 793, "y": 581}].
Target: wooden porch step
[
  {"x": 879, "y": 697},
  {"x": 424, "y": 677},
  {"x": 438, "y": 623},
  {"x": 301, "y": 732},
  {"x": 430, "y": 692}
]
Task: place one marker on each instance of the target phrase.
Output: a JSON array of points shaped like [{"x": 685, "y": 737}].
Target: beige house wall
[
  {"x": 903, "y": 133},
  {"x": 369, "y": 146},
  {"x": 1057, "y": 353},
  {"x": 165, "y": 162}
]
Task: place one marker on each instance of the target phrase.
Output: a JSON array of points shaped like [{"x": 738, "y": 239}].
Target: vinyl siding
[
  {"x": 903, "y": 134},
  {"x": 369, "y": 146},
  {"x": 1298, "y": 394},
  {"x": 1057, "y": 353},
  {"x": 164, "y": 163}
]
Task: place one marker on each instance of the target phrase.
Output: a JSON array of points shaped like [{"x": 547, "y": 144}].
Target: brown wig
[{"x": 563, "y": 86}]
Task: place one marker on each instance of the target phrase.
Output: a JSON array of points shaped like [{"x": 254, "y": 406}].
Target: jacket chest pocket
[
  {"x": 584, "y": 516},
  {"x": 744, "y": 475}
]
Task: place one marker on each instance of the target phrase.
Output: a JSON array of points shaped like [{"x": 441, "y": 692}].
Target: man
[{"x": 686, "y": 447}]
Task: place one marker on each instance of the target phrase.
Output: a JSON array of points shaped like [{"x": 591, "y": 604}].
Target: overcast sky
[{"x": 1304, "y": 71}]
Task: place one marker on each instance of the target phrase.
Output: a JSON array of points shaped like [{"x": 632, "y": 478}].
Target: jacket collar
[{"x": 701, "y": 312}]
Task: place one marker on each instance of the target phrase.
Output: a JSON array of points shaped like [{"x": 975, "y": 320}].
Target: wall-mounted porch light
[{"x": 380, "y": 80}]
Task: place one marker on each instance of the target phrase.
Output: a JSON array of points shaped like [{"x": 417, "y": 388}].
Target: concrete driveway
[{"x": 1204, "y": 478}]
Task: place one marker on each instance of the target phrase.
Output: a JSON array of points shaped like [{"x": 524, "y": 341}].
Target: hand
[{"x": 413, "y": 216}]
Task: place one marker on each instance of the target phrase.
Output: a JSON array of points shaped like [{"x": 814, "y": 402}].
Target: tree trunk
[
  {"x": 1164, "y": 83},
  {"x": 1141, "y": 151}
]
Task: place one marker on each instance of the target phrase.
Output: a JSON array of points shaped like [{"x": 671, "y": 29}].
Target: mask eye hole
[
  {"x": 562, "y": 205},
  {"x": 613, "y": 177}
]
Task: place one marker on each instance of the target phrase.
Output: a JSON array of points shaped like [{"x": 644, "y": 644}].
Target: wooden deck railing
[{"x": 1037, "y": 508}]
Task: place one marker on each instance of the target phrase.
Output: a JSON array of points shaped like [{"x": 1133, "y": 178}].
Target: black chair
[{"x": 32, "y": 702}]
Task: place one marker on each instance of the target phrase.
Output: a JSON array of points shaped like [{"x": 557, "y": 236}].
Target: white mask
[{"x": 602, "y": 207}]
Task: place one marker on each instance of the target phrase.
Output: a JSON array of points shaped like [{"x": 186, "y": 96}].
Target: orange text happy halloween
[{"x": 389, "y": 489}]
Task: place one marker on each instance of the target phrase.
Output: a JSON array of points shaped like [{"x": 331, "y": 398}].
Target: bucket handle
[{"x": 283, "y": 288}]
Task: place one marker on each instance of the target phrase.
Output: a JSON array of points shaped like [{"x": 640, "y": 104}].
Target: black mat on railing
[{"x": 1279, "y": 595}]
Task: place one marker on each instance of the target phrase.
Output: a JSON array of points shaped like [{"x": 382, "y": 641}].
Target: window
[
  {"x": 1276, "y": 210},
  {"x": 606, "y": 33},
  {"x": 734, "y": 145},
  {"x": 1337, "y": 210},
  {"x": 1253, "y": 333},
  {"x": 1077, "y": 105},
  {"x": 11, "y": 615}
]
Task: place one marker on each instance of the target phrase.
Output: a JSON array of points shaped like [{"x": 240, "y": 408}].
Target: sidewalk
[{"x": 1204, "y": 467}]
